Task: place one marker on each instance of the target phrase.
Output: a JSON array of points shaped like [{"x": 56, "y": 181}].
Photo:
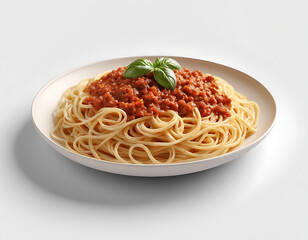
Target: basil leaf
[
  {"x": 166, "y": 62},
  {"x": 165, "y": 77},
  {"x": 158, "y": 62},
  {"x": 138, "y": 68}
]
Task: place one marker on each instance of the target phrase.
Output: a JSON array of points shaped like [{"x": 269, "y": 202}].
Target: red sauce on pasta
[{"x": 142, "y": 96}]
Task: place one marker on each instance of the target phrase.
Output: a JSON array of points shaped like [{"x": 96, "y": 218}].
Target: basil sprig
[{"x": 162, "y": 70}]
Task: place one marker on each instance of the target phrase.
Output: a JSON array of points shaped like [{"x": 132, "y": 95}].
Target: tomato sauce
[{"x": 143, "y": 96}]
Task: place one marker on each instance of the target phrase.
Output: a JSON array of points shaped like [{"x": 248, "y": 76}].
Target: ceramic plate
[{"x": 47, "y": 99}]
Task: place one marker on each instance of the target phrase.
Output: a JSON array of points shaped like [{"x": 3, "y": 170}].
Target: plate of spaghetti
[{"x": 153, "y": 116}]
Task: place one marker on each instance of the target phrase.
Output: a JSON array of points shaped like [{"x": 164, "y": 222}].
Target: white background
[{"x": 262, "y": 195}]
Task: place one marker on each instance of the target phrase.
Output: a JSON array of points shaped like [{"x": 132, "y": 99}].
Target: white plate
[{"x": 47, "y": 99}]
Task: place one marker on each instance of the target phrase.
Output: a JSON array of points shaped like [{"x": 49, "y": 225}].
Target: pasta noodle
[{"x": 107, "y": 134}]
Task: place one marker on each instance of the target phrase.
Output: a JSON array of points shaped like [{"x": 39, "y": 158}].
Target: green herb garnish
[{"x": 162, "y": 69}]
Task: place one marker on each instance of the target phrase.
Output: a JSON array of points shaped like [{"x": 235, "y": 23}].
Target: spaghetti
[{"x": 111, "y": 134}]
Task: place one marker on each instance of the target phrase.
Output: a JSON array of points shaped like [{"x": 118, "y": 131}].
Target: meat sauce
[{"x": 143, "y": 96}]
